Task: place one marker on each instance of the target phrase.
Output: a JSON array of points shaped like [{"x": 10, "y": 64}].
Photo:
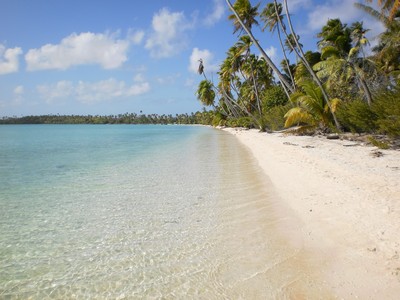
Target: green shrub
[
  {"x": 274, "y": 117},
  {"x": 274, "y": 96},
  {"x": 386, "y": 106},
  {"x": 356, "y": 116}
]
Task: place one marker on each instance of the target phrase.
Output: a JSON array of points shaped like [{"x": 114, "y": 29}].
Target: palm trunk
[
  {"x": 270, "y": 63},
  {"x": 309, "y": 68},
  {"x": 282, "y": 47}
]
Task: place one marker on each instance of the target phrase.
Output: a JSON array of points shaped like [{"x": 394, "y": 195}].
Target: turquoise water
[{"x": 93, "y": 211}]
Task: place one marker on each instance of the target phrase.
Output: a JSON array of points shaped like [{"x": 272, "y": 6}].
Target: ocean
[{"x": 134, "y": 212}]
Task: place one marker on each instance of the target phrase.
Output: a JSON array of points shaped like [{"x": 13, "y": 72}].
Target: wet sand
[{"x": 342, "y": 207}]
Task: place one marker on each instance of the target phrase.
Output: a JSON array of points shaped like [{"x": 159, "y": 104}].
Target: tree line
[
  {"x": 337, "y": 88},
  {"x": 203, "y": 117}
]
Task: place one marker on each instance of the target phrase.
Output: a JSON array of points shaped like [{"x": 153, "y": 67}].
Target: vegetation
[
  {"x": 204, "y": 117},
  {"x": 345, "y": 86}
]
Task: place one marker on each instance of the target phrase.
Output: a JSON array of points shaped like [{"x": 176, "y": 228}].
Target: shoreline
[{"x": 346, "y": 200}]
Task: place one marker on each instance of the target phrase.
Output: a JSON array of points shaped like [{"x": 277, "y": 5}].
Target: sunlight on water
[{"x": 134, "y": 211}]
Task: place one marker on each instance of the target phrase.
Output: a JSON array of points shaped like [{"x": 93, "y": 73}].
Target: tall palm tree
[
  {"x": 247, "y": 14},
  {"x": 272, "y": 17},
  {"x": 285, "y": 84},
  {"x": 388, "y": 49},
  {"x": 302, "y": 57}
]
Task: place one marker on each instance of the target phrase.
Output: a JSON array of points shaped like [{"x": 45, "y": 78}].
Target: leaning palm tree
[
  {"x": 247, "y": 13},
  {"x": 205, "y": 93},
  {"x": 272, "y": 17},
  {"x": 239, "y": 14},
  {"x": 302, "y": 57}
]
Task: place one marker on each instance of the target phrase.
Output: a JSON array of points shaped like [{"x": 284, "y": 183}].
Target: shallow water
[{"x": 136, "y": 212}]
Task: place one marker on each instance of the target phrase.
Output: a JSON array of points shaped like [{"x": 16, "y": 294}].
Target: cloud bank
[
  {"x": 79, "y": 49},
  {"x": 93, "y": 92}
]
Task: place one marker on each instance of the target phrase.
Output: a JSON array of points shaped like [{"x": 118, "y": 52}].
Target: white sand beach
[{"x": 346, "y": 203}]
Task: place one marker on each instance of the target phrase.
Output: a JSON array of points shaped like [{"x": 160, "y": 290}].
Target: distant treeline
[{"x": 204, "y": 117}]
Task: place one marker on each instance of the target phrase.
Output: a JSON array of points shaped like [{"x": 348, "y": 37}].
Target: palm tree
[
  {"x": 205, "y": 93},
  {"x": 344, "y": 71},
  {"x": 247, "y": 14},
  {"x": 388, "y": 49},
  {"x": 311, "y": 110},
  {"x": 287, "y": 87},
  {"x": 337, "y": 35},
  {"x": 272, "y": 17},
  {"x": 302, "y": 57}
]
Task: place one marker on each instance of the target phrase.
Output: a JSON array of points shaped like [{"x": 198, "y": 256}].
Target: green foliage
[
  {"x": 387, "y": 109},
  {"x": 311, "y": 109},
  {"x": 273, "y": 96},
  {"x": 274, "y": 119},
  {"x": 382, "y": 117},
  {"x": 245, "y": 122},
  {"x": 379, "y": 144},
  {"x": 356, "y": 116}
]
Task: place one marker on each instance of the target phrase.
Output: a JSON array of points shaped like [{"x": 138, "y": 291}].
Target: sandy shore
[{"x": 347, "y": 206}]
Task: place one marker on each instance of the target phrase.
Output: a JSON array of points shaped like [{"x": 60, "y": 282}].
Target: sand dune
[{"x": 347, "y": 203}]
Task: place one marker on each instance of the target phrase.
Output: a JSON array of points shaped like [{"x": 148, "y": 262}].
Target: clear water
[{"x": 114, "y": 212}]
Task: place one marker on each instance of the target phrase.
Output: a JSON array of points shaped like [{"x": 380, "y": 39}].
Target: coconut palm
[
  {"x": 285, "y": 84},
  {"x": 310, "y": 109},
  {"x": 335, "y": 34},
  {"x": 345, "y": 72},
  {"x": 300, "y": 54},
  {"x": 387, "y": 52},
  {"x": 205, "y": 93},
  {"x": 247, "y": 14},
  {"x": 272, "y": 17}
]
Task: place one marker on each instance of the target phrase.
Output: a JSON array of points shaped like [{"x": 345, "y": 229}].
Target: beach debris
[
  {"x": 290, "y": 144},
  {"x": 376, "y": 153},
  {"x": 332, "y": 136},
  {"x": 307, "y": 146},
  {"x": 351, "y": 145}
]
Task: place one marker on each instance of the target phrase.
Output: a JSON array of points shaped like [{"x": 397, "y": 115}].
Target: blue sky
[{"x": 111, "y": 57}]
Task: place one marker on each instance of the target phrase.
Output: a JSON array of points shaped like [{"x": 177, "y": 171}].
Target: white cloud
[
  {"x": 207, "y": 58},
  {"x": 167, "y": 38},
  {"x": 217, "y": 13},
  {"x": 79, "y": 49},
  {"x": 9, "y": 59},
  {"x": 92, "y": 92},
  {"x": 136, "y": 37}
]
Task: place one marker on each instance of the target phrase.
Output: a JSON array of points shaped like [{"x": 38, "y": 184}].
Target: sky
[{"x": 104, "y": 57}]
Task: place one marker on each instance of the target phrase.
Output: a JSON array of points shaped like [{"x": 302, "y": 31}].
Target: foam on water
[{"x": 134, "y": 211}]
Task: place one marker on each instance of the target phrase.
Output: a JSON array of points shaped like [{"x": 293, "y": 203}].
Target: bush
[
  {"x": 274, "y": 117},
  {"x": 274, "y": 96},
  {"x": 245, "y": 122},
  {"x": 356, "y": 116},
  {"x": 386, "y": 106}
]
